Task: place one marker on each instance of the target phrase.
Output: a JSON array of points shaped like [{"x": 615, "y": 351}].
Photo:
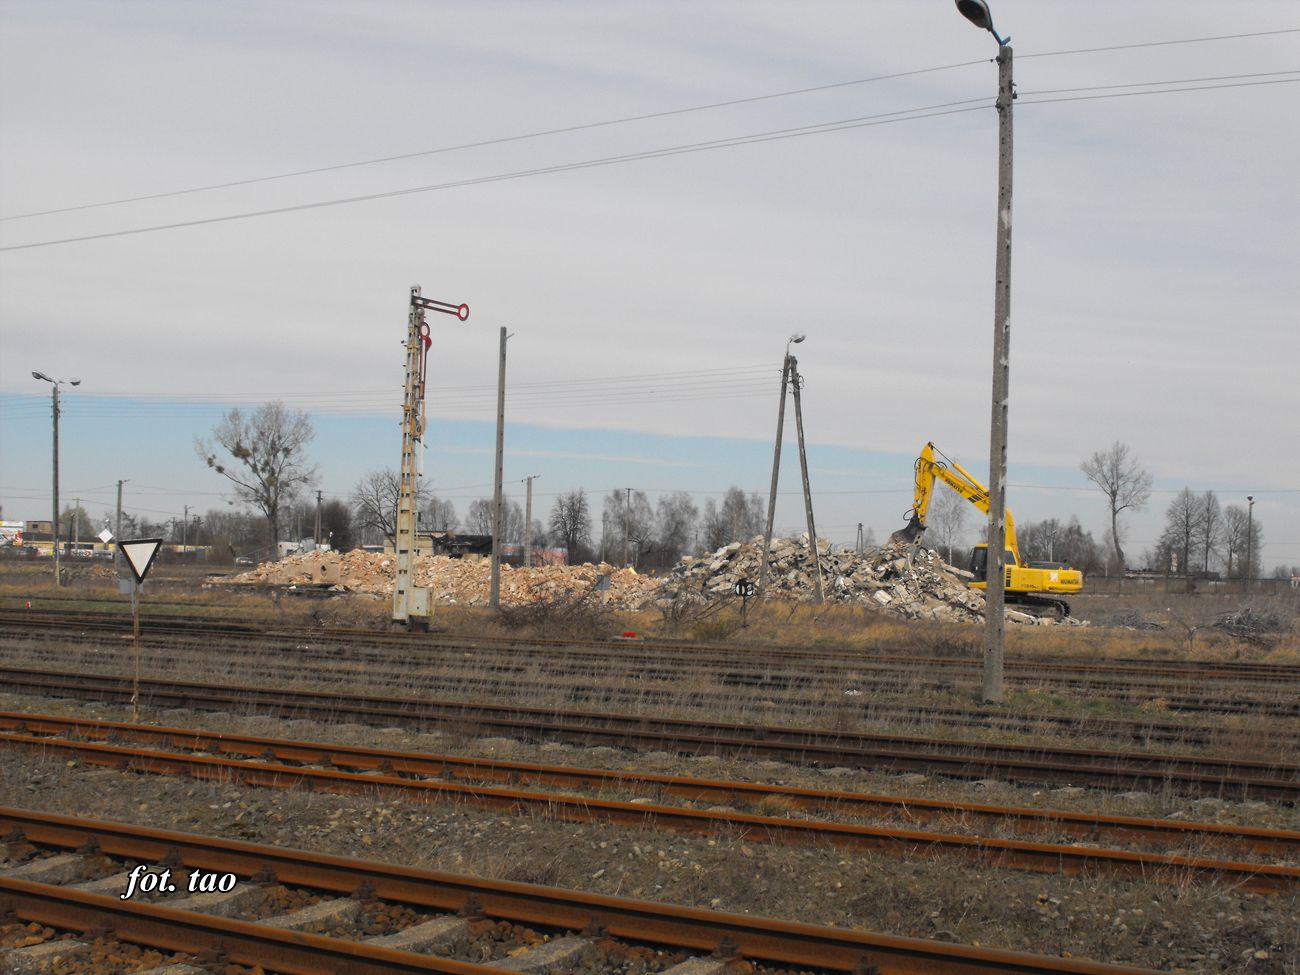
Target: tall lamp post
[
  {"x": 977, "y": 12},
  {"x": 1250, "y": 537},
  {"x": 54, "y": 524}
]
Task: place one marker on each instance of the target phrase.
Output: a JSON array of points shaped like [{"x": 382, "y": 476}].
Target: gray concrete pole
[
  {"x": 498, "y": 515},
  {"x": 117, "y": 527},
  {"x": 807, "y": 490},
  {"x": 1250, "y": 537},
  {"x": 627, "y": 512},
  {"x": 58, "y": 579},
  {"x": 528, "y": 522},
  {"x": 776, "y": 468},
  {"x": 995, "y": 597}
]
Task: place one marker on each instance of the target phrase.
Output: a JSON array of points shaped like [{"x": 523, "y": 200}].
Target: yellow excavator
[{"x": 1037, "y": 588}]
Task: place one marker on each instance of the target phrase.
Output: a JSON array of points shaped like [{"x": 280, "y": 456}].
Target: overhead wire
[
  {"x": 501, "y": 140},
  {"x": 628, "y": 119},
  {"x": 820, "y": 128}
]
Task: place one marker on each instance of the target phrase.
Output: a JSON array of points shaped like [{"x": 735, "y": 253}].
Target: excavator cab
[{"x": 979, "y": 561}]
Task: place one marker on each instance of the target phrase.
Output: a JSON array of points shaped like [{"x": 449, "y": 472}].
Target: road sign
[
  {"x": 140, "y": 554},
  {"x": 744, "y": 589},
  {"x": 106, "y": 536}
]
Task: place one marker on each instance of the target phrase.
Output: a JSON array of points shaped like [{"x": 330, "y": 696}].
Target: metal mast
[{"x": 412, "y": 605}]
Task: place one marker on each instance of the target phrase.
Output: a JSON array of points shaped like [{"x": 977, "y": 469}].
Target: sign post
[
  {"x": 138, "y": 554},
  {"x": 745, "y": 590}
]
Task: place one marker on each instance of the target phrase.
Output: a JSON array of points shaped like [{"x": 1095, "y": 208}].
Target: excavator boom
[{"x": 1023, "y": 583}]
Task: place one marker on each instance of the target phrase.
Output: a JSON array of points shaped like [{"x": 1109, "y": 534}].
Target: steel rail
[
  {"x": 243, "y": 942},
  {"x": 1144, "y": 732},
  {"x": 1071, "y": 860},
  {"x": 1096, "y": 826},
  {"x": 762, "y": 939},
  {"x": 655, "y": 647},
  {"x": 1285, "y": 707},
  {"x": 942, "y": 756}
]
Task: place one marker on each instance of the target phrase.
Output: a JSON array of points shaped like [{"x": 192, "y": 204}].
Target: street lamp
[
  {"x": 54, "y": 525},
  {"x": 1250, "y": 532},
  {"x": 977, "y": 12}
]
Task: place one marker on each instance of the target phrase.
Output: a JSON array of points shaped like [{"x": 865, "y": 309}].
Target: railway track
[
  {"x": 322, "y": 767},
  {"x": 1187, "y": 774},
  {"x": 48, "y": 857},
  {"x": 648, "y": 652},
  {"x": 1261, "y": 694},
  {"x": 600, "y": 691}
]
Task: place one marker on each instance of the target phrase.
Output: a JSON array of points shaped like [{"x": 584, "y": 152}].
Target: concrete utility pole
[
  {"x": 54, "y": 523},
  {"x": 627, "y": 512},
  {"x": 185, "y": 530},
  {"x": 860, "y": 545},
  {"x": 528, "y": 520},
  {"x": 315, "y": 538},
  {"x": 117, "y": 526},
  {"x": 776, "y": 464},
  {"x": 498, "y": 513},
  {"x": 977, "y": 12},
  {"x": 412, "y": 605},
  {"x": 76, "y": 524},
  {"x": 796, "y": 381}
]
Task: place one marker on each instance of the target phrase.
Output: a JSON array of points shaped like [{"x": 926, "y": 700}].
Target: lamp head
[
  {"x": 41, "y": 375},
  {"x": 75, "y": 382},
  {"x": 977, "y": 12},
  {"x": 797, "y": 337}
]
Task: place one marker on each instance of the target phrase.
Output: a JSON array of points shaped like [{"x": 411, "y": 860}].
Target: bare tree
[
  {"x": 1242, "y": 534},
  {"x": 739, "y": 518},
  {"x": 675, "y": 520},
  {"x": 1123, "y": 480},
  {"x": 1182, "y": 526},
  {"x": 479, "y": 520},
  {"x": 571, "y": 522},
  {"x": 375, "y": 499},
  {"x": 945, "y": 522},
  {"x": 630, "y": 519},
  {"x": 1209, "y": 528},
  {"x": 440, "y": 515},
  {"x": 269, "y": 449}
]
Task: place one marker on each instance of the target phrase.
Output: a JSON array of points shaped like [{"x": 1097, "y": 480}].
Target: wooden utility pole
[
  {"x": 498, "y": 514},
  {"x": 795, "y": 382},
  {"x": 117, "y": 526},
  {"x": 776, "y": 468}
]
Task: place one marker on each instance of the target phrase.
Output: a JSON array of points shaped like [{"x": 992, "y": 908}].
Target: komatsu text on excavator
[{"x": 1038, "y": 589}]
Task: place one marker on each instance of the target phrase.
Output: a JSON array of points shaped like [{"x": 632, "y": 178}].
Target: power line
[
  {"x": 821, "y": 128},
  {"x": 1175, "y": 81},
  {"x": 606, "y": 123},
  {"x": 1185, "y": 40},
  {"x": 497, "y": 141},
  {"x": 774, "y": 135}
]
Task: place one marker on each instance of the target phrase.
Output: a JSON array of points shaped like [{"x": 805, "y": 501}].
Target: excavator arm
[{"x": 928, "y": 470}]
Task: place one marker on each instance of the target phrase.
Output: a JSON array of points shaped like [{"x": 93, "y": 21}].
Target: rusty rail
[
  {"x": 1026, "y": 763},
  {"x": 766, "y": 940},
  {"x": 1041, "y": 857},
  {"x": 1252, "y": 839}
]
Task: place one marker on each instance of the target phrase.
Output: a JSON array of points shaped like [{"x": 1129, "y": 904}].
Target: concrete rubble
[
  {"x": 912, "y": 583},
  {"x": 455, "y": 582}
]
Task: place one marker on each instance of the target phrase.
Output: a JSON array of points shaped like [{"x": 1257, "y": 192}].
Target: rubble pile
[
  {"x": 914, "y": 583},
  {"x": 457, "y": 582}
]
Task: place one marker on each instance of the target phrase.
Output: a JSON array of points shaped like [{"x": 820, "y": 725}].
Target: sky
[{"x": 1155, "y": 267}]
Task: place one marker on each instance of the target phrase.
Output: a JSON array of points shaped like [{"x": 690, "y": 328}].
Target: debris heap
[
  {"x": 916, "y": 584},
  {"x": 457, "y": 582}
]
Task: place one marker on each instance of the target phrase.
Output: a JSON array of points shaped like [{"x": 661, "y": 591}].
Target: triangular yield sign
[{"x": 139, "y": 554}]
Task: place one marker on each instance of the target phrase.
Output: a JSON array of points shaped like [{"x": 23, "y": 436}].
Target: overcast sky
[{"x": 1155, "y": 268}]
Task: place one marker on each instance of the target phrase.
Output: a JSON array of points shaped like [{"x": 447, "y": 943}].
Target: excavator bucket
[{"x": 910, "y": 532}]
